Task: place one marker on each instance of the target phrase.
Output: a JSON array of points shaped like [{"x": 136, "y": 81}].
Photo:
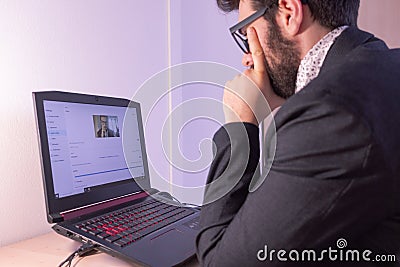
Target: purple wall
[{"x": 200, "y": 33}]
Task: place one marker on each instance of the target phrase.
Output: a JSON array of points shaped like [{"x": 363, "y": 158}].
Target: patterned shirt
[{"x": 311, "y": 64}]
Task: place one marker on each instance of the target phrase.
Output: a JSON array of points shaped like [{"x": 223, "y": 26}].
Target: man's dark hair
[{"x": 329, "y": 13}]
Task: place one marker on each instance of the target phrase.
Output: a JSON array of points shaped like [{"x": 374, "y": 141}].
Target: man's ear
[{"x": 290, "y": 16}]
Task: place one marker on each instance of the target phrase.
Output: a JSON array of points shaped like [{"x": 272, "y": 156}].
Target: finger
[
  {"x": 256, "y": 50},
  {"x": 247, "y": 60}
]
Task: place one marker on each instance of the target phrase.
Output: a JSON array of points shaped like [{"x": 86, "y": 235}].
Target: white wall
[{"x": 92, "y": 46}]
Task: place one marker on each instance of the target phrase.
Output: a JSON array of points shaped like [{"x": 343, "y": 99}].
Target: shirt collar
[{"x": 311, "y": 64}]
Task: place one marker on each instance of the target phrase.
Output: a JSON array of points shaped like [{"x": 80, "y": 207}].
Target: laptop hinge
[
  {"x": 152, "y": 191},
  {"x": 68, "y": 215},
  {"x": 55, "y": 218}
]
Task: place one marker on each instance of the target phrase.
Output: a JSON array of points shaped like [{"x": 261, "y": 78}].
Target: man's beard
[{"x": 283, "y": 62}]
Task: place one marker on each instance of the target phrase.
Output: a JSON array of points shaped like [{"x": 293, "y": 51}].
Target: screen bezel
[{"x": 100, "y": 194}]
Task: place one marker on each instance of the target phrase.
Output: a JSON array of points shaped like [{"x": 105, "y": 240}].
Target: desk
[{"x": 51, "y": 249}]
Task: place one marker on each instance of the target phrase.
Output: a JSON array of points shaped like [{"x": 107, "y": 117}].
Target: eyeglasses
[{"x": 239, "y": 36}]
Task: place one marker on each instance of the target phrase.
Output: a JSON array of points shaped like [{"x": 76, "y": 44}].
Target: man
[
  {"x": 334, "y": 183},
  {"x": 104, "y": 131}
]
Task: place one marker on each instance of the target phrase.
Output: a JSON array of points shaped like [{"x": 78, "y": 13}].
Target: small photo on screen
[{"x": 105, "y": 126}]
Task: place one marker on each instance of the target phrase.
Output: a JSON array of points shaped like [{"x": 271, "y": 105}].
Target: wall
[
  {"x": 381, "y": 18},
  {"x": 201, "y": 32},
  {"x": 92, "y": 46}
]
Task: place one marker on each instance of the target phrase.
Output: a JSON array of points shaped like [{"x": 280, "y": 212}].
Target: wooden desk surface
[{"x": 51, "y": 249}]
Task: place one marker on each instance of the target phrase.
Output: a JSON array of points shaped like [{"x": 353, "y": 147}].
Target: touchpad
[
  {"x": 173, "y": 246},
  {"x": 165, "y": 248},
  {"x": 169, "y": 234}
]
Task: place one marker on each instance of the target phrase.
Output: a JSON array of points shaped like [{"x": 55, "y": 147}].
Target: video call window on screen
[{"x": 105, "y": 126}]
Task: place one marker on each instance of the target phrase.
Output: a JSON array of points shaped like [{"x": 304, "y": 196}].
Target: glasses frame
[
  {"x": 235, "y": 29},
  {"x": 238, "y": 26}
]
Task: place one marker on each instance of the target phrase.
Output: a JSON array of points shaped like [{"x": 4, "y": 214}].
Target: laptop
[{"x": 97, "y": 186}]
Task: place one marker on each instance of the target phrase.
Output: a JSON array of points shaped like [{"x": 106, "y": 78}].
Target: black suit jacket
[
  {"x": 335, "y": 173},
  {"x": 110, "y": 133}
]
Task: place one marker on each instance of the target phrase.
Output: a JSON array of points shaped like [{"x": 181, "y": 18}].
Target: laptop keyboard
[{"x": 123, "y": 227}]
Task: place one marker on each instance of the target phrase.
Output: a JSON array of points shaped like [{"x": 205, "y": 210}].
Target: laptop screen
[
  {"x": 86, "y": 146},
  {"x": 92, "y": 149}
]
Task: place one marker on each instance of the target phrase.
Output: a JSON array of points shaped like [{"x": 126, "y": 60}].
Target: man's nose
[{"x": 247, "y": 60}]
